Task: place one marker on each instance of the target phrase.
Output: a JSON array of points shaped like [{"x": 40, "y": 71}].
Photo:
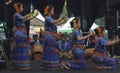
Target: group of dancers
[{"x": 50, "y": 59}]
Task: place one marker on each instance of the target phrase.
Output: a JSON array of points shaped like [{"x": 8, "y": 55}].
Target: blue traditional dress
[
  {"x": 78, "y": 61},
  {"x": 50, "y": 59},
  {"x": 100, "y": 57},
  {"x": 63, "y": 46},
  {"x": 20, "y": 57}
]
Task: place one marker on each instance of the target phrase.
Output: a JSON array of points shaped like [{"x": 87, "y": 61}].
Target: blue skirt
[
  {"x": 50, "y": 59},
  {"x": 78, "y": 61},
  {"x": 102, "y": 59},
  {"x": 20, "y": 56}
]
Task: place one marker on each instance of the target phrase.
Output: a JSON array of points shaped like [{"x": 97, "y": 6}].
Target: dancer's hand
[
  {"x": 64, "y": 18},
  {"x": 91, "y": 32}
]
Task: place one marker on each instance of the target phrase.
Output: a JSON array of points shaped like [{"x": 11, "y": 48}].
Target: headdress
[
  {"x": 16, "y": 7},
  {"x": 73, "y": 23},
  {"x": 46, "y": 10}
]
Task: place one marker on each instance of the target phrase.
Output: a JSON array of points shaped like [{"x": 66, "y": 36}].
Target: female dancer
[
  {"x": 20, "y": 57},
  {"x": 50, "y": 58},
  {"x": 100, "y": 57},
  {"x": 78, "y": 42}
]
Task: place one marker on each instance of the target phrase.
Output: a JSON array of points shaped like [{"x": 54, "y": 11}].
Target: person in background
[
  {"x": 92, "y": 41},
  {"x": 50, "y": 59},
  {"x": 64, "y": 47},
  {"x": 100, "y": 58},
  {"x": 41, "y": 37},
  {"x": 35, "y": 39},
  {"x": 37, "y": 48}
]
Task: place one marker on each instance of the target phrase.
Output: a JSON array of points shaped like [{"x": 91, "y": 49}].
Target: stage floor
[{"x": 35, "y": 68}]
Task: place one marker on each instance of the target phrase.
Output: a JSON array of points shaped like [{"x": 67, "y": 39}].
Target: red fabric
[{"x": 29, "y": 39}]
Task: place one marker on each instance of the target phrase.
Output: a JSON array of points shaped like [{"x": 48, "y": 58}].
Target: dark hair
[
  {"x": 76, "y": 19},
  {"x": 63, "y": 35},
  {"x": 19, "y": 4},
  {"x": 50, "y": 7},
  {"x": 35, "y": 35}
]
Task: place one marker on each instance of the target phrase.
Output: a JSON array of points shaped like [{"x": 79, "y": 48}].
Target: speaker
[{"x": 112, "y": 20}]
